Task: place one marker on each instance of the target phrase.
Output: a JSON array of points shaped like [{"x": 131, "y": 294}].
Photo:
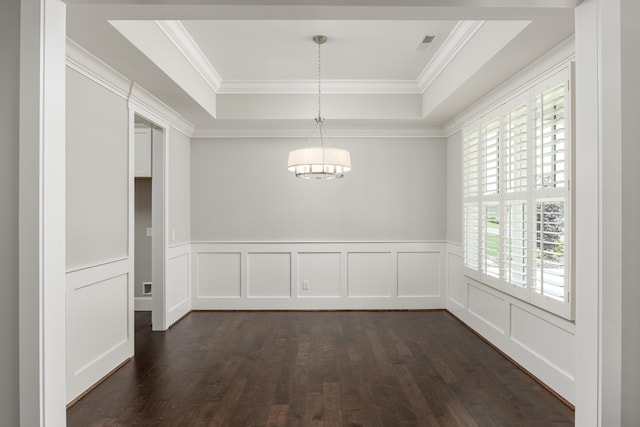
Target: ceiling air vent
[
  {"x": 425, "y": 42},
  {"x": 428, "y": 39}
]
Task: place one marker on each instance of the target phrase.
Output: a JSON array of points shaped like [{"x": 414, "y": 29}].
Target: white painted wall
[
  {"x": 241, "y": 190},
  {"x": 9, "y": 101},
  {"x": 42, "y": 212},
  {"x": 261, "y": 106},
  {"x": 97, "y": 191},
  {"x": 178, "y": 271},
  {"x": 454, "y": 188},
  {"x": 99, "y": 309},
  {"x": 256, "y": 228},
  {"x": 608, "y": 346},
  {"x": 179, "y": 187},
  {"x": 587, "y": 223}
]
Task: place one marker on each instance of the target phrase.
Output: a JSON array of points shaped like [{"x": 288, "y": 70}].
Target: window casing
[{"x": 517, "y": 196}]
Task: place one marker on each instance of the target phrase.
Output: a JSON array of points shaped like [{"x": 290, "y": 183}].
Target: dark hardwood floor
[{"x": 317, "y": 369}]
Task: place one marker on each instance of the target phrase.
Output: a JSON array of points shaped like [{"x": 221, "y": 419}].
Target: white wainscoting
[
  {"x": 541, "y": 342},
  {"x": 99, "y": 323},
  {"x": 178, "y": 281},
  {"x": 301, "y": 275}
]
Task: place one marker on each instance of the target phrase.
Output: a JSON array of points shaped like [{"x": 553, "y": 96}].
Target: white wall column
[
  {"x": 42, "y": 213},
  {"x": 630, "y": 153},
  {"x": 608, "y": 205},
  {"x": 587, "y": 226}
]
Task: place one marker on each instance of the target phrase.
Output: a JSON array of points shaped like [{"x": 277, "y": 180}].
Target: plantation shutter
[
  {"x": 517, "y": 204},
  {"x": 491, "y": 183},
  {"x": 471, "y": 167},
  {"x": 490, "y": 238},
  {"x": 514, "y": 140},
  {"x": 549, "y": 270},
  {"x": 549, "y": 267},
  {"x": 514, "y": 262},
  {"x": 471, "y": 191},
  {"x": 471, "y": 236},
  {"x": 550, "y": 137}
]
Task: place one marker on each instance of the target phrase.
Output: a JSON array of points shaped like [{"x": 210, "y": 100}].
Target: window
[{"x": 517, "y": 202}]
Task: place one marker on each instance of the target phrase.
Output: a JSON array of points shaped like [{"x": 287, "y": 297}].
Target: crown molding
[
  {"x": 335, "y": 132},
  {"x": 140, "y": 97},
  {"x": 182, "y": 40},
  {"x": 548, "y": 64},
  {"x": 87, "y": 64},
  {"x": 454, "y": 43},
  {"x": 329, "y": 87}
]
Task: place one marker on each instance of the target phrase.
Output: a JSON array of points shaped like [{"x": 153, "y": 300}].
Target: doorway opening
[
  {"x": 148, "y": 232},
  {"x": 143, "y": 234}
]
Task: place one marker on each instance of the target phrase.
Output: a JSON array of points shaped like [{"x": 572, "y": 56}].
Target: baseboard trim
[
  {"x": 179, "y": 319},
  {"x": 143, "y": 303},
  {"x": 97, "y": 383}
]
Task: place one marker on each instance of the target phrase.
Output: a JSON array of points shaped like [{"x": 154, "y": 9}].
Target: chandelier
[{"x": 323, "y": 162}]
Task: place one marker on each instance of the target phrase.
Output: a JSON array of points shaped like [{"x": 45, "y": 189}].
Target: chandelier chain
[{"x": 319, "y": 88}]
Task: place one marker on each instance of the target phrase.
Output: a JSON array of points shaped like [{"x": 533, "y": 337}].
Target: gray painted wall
[
  {"x": 142, "y": 241},
  {"x": 97, "y": 173},
  {"x": 241, "y": 190},
  {"x": 179, "y": 187},
  {"x": 630, "y": 10},
  {"x": 454, "y": 188},
  {"x": 9, "y": 101}
]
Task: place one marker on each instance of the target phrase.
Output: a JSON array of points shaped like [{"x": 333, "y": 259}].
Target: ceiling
[
  {"x": 283, "y": 50},
  {"x": 251, "y": 68}
]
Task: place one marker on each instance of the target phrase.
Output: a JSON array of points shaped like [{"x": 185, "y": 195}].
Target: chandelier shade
[
  {"x": 319, "y": 162},
  {"x": 323, "y": 162}
]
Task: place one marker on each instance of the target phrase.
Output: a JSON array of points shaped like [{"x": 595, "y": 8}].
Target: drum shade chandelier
[{"x": 323, "y": 162}]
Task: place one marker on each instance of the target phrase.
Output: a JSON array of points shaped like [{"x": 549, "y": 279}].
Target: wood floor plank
[
  {"x": 277, "y": 416},
  {"x": 314, "y": 415},
  {"x": 316, "y": 369},
  {"x": 414, "y": 396},
  {"x": 229, "y": 403},
  {"x": 331, "y": 402}
]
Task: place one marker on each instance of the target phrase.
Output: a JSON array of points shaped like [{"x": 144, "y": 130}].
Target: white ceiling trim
[
  {"x": 336, "y": 132},
  {"x": 80, "y": 60},
  {"x": 182, "y": 40},
  {"x": 186, "y": 45},
  {"x": 305, "y": 87},
  {"x": 455, "y": 42},
  {"x": 551, "y": 62},
  {"x": 84, "y": 62}
]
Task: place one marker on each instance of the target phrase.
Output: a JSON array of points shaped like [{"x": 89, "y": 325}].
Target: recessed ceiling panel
[{"x": 284, "y": 50}]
